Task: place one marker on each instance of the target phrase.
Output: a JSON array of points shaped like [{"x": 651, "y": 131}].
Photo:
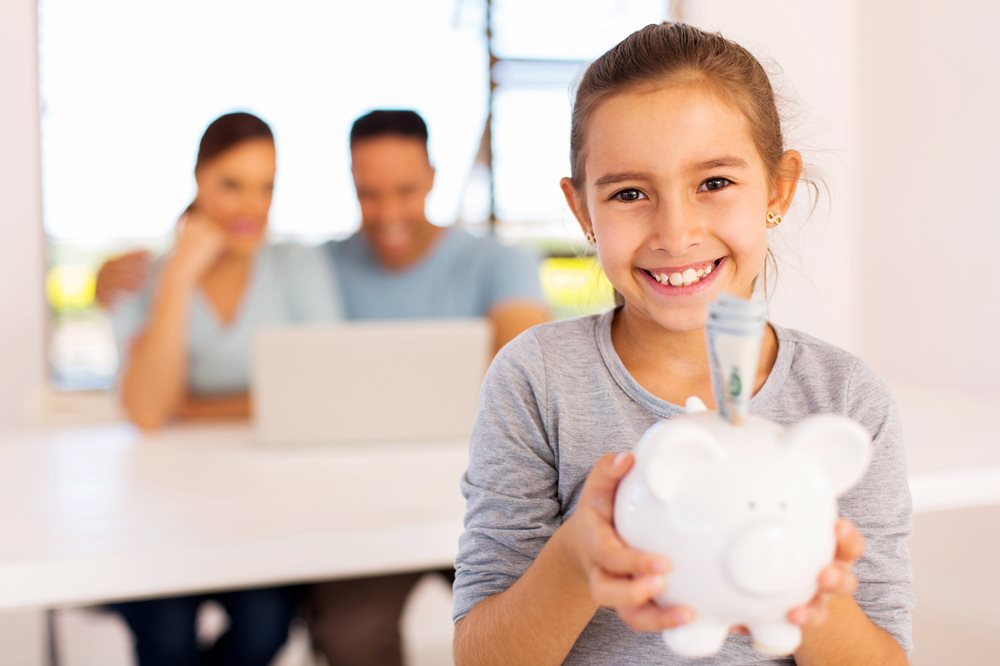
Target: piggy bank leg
[
  {"x": 696, "y": 639},
  {"x": 776, "y": 638}
]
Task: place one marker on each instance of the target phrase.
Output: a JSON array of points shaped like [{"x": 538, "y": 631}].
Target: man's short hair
[{"x": 384, "y": 122}]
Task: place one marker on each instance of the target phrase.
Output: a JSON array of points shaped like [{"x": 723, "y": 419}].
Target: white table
[
  {"x": 953, "y": 447},
  {"x": 106, "y": 513}
]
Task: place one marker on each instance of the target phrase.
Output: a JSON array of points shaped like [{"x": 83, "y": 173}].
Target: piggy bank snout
[{"x": 768, "y": 559}]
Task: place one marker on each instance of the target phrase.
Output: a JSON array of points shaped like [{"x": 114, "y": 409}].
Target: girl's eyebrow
[
  {"x": 612, "y": 178},
  {"x": 720, "y": 162},
  {"x": 729, "y": 161}
]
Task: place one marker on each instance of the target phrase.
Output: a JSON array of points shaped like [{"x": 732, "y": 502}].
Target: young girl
[{"x": 678, "y": 172}]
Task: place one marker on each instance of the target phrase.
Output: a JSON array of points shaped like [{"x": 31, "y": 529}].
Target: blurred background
[{"x": 894, "y": 105}]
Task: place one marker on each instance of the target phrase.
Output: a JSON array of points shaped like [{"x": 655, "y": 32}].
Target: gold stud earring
[
  {"x": 591, "y": 238},
  {"x": 773, "y": 220}
]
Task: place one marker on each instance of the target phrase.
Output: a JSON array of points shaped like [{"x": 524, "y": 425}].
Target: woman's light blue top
[{"x": 288, "y": 284}]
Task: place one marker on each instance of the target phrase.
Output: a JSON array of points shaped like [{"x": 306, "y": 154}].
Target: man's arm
[
  {"x": 233, "y": 406},
  {"x": 511, "y": 318}
]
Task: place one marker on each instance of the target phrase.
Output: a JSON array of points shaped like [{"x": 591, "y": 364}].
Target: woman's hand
[
  {"x": 835, "y": 579},
  {"x": 617, "y": 576},
  {"x": 199, "y": 244}
]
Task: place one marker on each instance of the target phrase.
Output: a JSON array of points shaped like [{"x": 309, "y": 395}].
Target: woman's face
[
  {"x": 676, "y": 193},
  {"x": 234, "y": 193}
]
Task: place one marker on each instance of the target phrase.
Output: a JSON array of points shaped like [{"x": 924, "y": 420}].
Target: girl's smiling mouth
[{"x": 682, "y": 280}]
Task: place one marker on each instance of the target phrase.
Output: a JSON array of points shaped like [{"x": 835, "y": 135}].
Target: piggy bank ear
[
  {"x": 841, "y": 447},
  {"x": 694, "y": 405},
  {"x": 673, "y": 451}
]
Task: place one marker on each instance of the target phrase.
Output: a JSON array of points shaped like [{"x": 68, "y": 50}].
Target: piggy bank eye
[
  {"x": 783, "y": 505},
  {"x": 751, "y": 505}
]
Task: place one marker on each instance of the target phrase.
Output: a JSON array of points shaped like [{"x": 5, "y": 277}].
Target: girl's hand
[
  {"x": 837, "y": 578},
  {"x": 199, "y": 244},
  {"x": 617, "y": 576}
]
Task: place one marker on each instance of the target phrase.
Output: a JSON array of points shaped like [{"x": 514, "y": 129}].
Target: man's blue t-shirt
[{"x": 462, "y": 276}]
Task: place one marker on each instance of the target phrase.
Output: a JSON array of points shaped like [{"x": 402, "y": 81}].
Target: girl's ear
[
  {"x": 786, "y": 180},
  {"x": 575, "y": 203}
]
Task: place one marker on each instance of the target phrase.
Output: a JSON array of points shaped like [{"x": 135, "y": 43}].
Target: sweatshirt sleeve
[
  {"x": 512, "y": 507},
  {"x": 881, "y": 507}
]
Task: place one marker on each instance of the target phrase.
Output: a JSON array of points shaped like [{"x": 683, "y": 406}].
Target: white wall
[
  {"x": 929, "y": 104},
  {"x": 22, "y": 326}
]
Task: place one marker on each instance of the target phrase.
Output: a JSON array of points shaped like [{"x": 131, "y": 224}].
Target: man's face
[{"x": 392, "y": 177}]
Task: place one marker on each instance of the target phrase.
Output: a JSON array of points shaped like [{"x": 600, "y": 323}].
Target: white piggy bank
[{"x": 746, "y": 515}]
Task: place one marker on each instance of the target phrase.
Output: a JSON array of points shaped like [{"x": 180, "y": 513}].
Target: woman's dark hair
[{"x": 230, "y": 130}]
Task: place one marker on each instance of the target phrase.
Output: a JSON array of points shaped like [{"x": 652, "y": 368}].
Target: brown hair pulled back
[{"x": 679, "y": 53}]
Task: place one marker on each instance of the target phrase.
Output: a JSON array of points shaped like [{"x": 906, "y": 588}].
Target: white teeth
[{"x": 686, "y": 278}]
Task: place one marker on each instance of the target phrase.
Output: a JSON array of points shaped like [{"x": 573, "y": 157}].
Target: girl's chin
[{"x": 677, "y": 320}]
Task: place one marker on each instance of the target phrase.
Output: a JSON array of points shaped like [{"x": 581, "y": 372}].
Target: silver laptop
[{"x": 364, "y": 381}]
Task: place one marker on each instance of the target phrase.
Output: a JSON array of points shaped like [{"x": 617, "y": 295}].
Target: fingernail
[
  {"x": 661, "y": 565},
  {"x": 831, "y": 577},
  {"x": 618, "y": 461},
  {"x": 656, "y": 584}
]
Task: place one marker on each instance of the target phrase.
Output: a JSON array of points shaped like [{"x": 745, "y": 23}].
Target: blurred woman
[{"x": 185, "y": 347}]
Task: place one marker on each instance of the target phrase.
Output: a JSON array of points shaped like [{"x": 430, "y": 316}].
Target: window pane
[
  {"x": 530, "y": 155},
  {"x": 127, "y": 91},
  {"x": 568, "y": 29}
]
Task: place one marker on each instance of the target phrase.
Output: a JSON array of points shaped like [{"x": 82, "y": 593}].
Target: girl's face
[
  {"x": 676, "y": 194},
  {"x": 234, "y": 193}
]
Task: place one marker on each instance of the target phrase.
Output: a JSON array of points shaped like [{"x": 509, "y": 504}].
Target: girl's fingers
[
  {"x": 850, "y": 543},
  {"x": 611, "y": 554},
  {"x": 838, "y": 579},
  {"x": 599, "y": 489},
  {"x": 617, "y": 591},
  {"x": 813, "y": 614},
  {"x": 606, "y": 550},
  {"x": 650, "y": 617}
]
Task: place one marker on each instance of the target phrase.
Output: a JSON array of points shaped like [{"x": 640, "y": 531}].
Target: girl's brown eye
[
  {"x": 713, "y": 184},
  {"x": 628, "y": 195}
]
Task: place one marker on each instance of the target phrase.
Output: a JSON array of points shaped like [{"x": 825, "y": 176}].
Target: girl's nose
[{"x": 675, "y": 231}]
